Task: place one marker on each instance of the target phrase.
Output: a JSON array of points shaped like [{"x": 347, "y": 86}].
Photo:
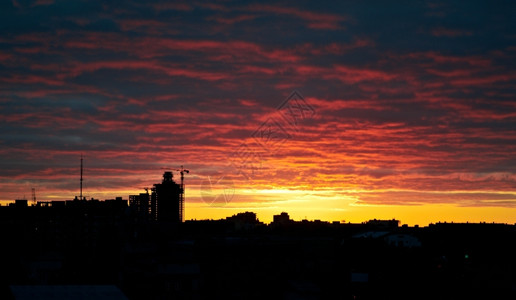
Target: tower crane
[{"x": 182, "y": 171}]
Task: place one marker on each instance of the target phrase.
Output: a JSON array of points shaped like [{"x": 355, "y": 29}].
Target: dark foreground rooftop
[
  {"x": 67, "y": 292},
  {"x": 102, "y": 248}
]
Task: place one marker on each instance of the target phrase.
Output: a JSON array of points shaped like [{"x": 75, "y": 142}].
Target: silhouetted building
[
  {"x": 281, "y": 218},
  {"x": 20, "y": 203},
  {"x": 165, "y": 200},
  {"x": 118, "y": 202},
  {"x": 247, "y": 217},
  {"x": 281, "y": 221},
  {"x": 141, "y": 204},
  {"x": 244, "y": 221}
]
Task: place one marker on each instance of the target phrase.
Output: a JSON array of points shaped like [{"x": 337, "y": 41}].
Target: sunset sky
[{"x": 403, "y": 110}]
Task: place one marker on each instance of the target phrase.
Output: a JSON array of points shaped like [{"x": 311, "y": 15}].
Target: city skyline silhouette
[
  {"x": 331, "y": 111},
  {"x": 249, "y": 150}
]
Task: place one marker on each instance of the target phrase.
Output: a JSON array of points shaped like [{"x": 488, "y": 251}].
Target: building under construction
[{"x": 166, "y": 201}]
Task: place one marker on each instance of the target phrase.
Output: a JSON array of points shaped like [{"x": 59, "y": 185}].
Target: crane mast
[{"x": 182, "y": 171}]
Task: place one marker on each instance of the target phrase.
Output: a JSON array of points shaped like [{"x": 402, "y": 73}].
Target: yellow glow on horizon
[{"x": 324, "y": 204}]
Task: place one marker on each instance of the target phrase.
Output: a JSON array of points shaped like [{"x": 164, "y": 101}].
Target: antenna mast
[{"x": 81, "y": 179}]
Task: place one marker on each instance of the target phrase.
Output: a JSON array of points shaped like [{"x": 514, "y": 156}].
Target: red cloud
[
  {"x": 314, "y": 20},
  {"x": 232, "y": 20},
  {"x": 447, "y": 32}
]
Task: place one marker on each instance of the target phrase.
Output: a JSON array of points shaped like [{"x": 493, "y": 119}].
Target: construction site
[{"x": 164, "y": 203}]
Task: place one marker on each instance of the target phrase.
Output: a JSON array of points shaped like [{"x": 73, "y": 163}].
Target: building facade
[{"x": 165, "y": 200}]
